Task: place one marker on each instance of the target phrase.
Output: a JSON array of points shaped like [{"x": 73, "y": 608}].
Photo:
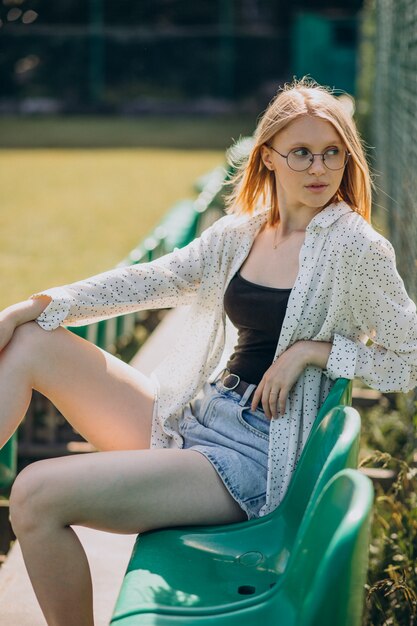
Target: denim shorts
[{"x": 220, "y": 424}]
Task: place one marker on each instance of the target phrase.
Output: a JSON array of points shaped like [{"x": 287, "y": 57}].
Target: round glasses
[{"x": 301, "y": 159}]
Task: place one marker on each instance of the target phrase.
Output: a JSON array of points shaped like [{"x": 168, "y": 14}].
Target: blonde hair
[{"x": 254, "y": 185}]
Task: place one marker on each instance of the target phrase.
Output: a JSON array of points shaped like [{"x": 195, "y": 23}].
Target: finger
[
  {"x": 256, "y": 397},
  {"x": 273, "y": 402},
  {"x": 266, "y": 395},
  {"x": 282, "y": 401}
]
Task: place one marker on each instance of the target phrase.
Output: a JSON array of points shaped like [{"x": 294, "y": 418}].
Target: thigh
[
  {"x": 106, "y": 400},
  {"x": 127, "y": 491}
]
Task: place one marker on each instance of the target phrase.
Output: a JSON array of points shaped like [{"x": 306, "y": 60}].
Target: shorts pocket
[{"x": 255, "y": 423}]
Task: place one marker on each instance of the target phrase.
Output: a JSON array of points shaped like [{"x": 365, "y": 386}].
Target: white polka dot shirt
[{"x": 347, "y": 290}]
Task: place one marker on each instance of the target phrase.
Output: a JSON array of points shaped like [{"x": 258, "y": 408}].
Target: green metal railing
[{"x": 8, "y": 462}]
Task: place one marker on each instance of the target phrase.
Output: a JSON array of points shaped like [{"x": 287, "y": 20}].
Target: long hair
[{"x": 253, "y": 186}]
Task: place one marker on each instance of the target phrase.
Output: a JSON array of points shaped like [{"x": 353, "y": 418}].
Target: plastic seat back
[
  {"x": 217, "y": 566},
  {"x": 339, "y": 395},
  {"x": 333, "y": 446},
  {"x": 327, "y": 571}
]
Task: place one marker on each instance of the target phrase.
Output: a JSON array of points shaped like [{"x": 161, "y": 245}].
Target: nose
[{"x": 317, "y": 167}]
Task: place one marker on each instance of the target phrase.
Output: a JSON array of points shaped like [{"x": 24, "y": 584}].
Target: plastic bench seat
[
  {"x": 211, "y": 565},
  {"x": 321, "y": 585}
]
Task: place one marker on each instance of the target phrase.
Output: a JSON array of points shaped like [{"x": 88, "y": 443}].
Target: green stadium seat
[
  {"x": 213, "y": 566},
  {"x": 320, "y": 582}
]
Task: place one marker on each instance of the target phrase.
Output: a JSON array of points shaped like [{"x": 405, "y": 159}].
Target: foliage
[
  {"x": 392, "y": 576},
  {"x": 390, "y": 426},
  {"x": 389, "y": 430}
]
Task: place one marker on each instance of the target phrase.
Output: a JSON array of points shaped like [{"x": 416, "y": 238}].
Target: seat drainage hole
[{"x": 246, "y": 590}]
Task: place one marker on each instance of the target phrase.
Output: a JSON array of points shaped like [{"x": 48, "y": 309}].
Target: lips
[{"x": 317, "y": 187}]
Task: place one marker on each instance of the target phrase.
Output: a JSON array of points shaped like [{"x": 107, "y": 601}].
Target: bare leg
[
  {"x": 124, "y": 492},
  {"x": 111, "y": 405},
  {"x": 105, "y": 400}
]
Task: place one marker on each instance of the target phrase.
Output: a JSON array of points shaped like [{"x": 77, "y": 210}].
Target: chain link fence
[{"x": 395, "y": 129}]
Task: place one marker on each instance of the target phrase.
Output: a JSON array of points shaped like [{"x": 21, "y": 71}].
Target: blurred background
[
  {"x": 113, "y": 111},
  {"x": 109, "y": 110},
  {"x": 125, "y": 57},
  {"x": 129, "y": 101}
]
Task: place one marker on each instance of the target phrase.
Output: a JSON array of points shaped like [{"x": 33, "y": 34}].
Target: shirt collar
[
  {"x": 329, "y": 215},
  {"x": 325, "y": 218}
]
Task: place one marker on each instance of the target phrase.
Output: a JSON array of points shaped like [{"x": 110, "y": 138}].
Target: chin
[{"x": 319, "y": 201}]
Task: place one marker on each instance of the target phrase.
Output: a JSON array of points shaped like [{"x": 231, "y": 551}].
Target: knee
[
  {"x": 27, "y": 335},
  {"x": 27, "y": 347},
  {"x": 28, "y": 499},
  {"x": 25, "y": 341}
]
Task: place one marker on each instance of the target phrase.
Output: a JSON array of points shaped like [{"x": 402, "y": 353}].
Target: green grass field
[
  {"x": 189, "y": 133},
  {"x": 70, "y": 212}
]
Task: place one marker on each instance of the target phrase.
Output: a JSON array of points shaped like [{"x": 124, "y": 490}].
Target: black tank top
[{"x": 258, "y": 313}]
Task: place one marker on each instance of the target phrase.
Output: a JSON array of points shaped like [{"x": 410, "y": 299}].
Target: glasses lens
[
  {"x": 300, "y": 159},
  {"x": 335, "y": 159}
]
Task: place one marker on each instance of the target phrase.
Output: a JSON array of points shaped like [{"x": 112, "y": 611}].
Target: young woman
[{"x": 215, "y": 434}]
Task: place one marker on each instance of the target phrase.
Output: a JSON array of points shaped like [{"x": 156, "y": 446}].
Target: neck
[{"x": 296, "y": 219}]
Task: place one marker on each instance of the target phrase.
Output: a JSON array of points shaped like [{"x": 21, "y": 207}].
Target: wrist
[
  {"x": 316, "y": 353},
  {"x": 26, "y": 311}
]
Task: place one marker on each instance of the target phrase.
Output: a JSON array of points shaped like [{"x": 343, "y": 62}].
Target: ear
[{"x": 266, "y": 156}]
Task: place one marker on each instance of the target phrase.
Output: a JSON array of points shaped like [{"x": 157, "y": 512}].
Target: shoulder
[
  {"x": 356, "y": 235},
  {"x": 237, "y": 222},
  {"x": 238, "y": 226}
]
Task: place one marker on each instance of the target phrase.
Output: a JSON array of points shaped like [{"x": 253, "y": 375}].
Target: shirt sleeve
[
  {"x": 383, "y": 312},
  {"x": 168, "y": 281}
]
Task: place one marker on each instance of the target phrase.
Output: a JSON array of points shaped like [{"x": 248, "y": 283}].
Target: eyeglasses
[{"x": 300, "y": 159}]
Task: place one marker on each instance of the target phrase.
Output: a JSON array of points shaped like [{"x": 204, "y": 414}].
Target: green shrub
[{"x": 391, "y": 598}]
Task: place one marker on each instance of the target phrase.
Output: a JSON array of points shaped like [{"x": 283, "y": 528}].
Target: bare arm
[{"x": 316, "y": 352}]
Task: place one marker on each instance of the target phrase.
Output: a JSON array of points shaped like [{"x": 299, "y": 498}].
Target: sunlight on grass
[{"x": 69, "y": 214}]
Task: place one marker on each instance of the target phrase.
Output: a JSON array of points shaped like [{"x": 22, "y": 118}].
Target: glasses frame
[{"x": 313, "y": 154}]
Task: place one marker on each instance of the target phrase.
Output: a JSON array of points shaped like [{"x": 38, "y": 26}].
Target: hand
[
  {"x": 18, "y": 314},
  {"x": 7, "y": 328},
  {"x": 278, "y": 381},
  {"x": 280, "y": 378}
]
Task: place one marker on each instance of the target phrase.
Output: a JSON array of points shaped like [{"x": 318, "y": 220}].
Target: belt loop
[
  {"x": 247, "y": 394},
  {"x": 219, "y": 375}
]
